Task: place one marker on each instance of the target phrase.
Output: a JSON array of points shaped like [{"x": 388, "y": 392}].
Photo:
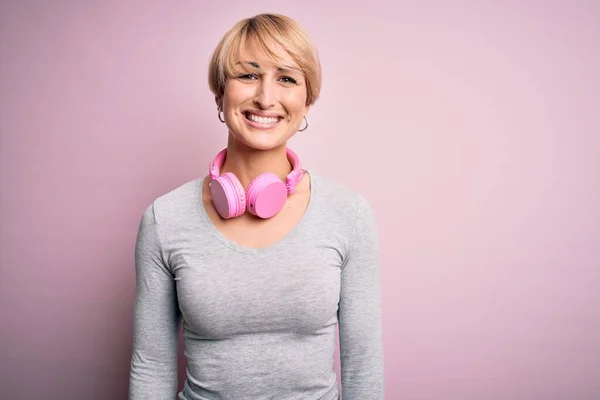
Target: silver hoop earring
[
  {"x": 302, "y": 130},
  {"x": 219, "y": 115}
]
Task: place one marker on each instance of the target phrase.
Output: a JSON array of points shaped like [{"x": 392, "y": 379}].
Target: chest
[{"x": 292, "y": 290}]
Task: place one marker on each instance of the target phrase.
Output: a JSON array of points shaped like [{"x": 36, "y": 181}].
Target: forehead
[{"x": 268, "y": 56}]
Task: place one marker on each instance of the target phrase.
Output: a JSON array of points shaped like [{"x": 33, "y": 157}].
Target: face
[{"x": 264, "y": 106}]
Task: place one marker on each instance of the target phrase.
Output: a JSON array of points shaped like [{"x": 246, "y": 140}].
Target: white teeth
[{"x": 262, "y": 120}]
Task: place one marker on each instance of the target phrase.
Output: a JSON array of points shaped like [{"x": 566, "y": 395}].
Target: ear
[{"x": 219, "y": 101}]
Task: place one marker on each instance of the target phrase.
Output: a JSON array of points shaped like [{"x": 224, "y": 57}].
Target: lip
[
  {"x": 258, "y": 125},
  {"x": 261, "y": 113}
]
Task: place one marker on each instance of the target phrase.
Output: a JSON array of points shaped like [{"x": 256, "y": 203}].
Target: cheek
[
  {"x": 295, "y": 105},
  {"x": 235, "y": 94}
]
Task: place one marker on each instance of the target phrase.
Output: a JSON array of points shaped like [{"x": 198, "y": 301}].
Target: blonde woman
[{"x": 260, "y": 259}]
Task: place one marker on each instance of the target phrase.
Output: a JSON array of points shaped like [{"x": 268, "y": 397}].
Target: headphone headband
[{"x": 291, "y": 180}]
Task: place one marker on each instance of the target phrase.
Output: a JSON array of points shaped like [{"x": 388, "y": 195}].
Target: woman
[{"x": 260, "y": 259}]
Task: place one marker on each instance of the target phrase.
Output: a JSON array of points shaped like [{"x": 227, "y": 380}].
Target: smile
[{"x": 262, "y": 121}]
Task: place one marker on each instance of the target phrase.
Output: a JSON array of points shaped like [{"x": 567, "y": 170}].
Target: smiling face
[{"x": 264, "y": 104}]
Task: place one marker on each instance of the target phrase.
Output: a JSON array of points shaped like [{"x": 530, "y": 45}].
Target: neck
[{"x": 247, "y": 163}]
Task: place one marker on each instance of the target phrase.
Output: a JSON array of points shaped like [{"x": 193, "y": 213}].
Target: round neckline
[{"x": 245, "y": 249}]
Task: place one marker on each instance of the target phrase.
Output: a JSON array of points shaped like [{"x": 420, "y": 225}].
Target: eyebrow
[{"x": 280, "y": 69}]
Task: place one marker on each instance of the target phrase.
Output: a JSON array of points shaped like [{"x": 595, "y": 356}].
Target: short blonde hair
[{"x": 266, "y": 30}]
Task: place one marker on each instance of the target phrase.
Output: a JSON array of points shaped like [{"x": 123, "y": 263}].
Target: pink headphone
[{"x": 265, "y": 195}]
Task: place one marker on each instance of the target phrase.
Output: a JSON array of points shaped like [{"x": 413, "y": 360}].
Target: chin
[
  {"x": 262, "y": 140},
  {"x": 264, "y": 145}
]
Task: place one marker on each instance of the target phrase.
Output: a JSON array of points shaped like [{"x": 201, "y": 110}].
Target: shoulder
[
  {"x": 339, "y": 201},
  {"x": 176, "y": 203}
]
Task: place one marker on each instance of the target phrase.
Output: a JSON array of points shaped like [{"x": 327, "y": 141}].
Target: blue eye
[{"x": 248, "y": 76}]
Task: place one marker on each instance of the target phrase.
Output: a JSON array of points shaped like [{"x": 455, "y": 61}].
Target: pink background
[{"x": 473, "y": 129}]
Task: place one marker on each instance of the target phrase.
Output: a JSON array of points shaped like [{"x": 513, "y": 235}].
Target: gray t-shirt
[{"x": 258, "y": 323}]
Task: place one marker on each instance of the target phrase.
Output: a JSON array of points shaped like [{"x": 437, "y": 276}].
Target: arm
[
  {"x": 153, "y": 373},
  {"x": 359, "y": 312}
]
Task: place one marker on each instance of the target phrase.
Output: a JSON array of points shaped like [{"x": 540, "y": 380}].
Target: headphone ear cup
[
  {"x": 266, "y": 195},
  {"x": 228, "y": 196}
]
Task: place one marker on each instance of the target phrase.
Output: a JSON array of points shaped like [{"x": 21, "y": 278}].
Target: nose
[{"x": 265, "y": 95}]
